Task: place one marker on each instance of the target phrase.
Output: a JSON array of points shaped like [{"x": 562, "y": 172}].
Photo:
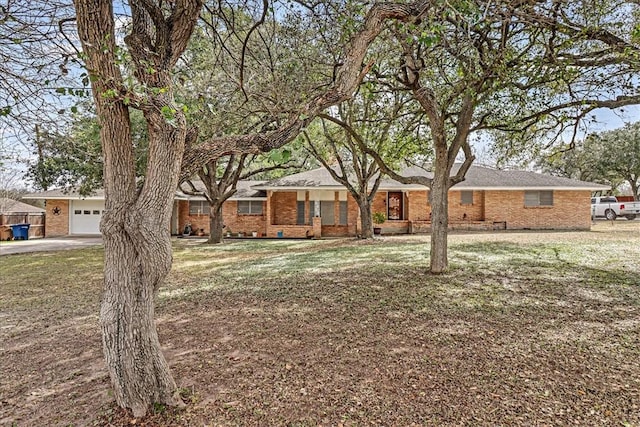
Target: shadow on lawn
[{"x": 513, "y": 335}]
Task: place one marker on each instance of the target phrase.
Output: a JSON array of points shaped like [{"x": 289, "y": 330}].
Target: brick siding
[
  {"x": 490, "y": 210},
  {"x": 570, "y": 210},
  {"x": 57, "y": 225},
  {"x": 230, "y": 217}
]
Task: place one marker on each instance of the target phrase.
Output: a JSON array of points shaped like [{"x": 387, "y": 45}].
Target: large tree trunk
[
  {"x": 634, "y": 189},
  {"x": 139, "y": 372},
  {"x": 135, "y": 225},
  {"x": 440, "y": 212},
  {"x": 215, "y": 223},
  {"x": 366, "y": 224}
]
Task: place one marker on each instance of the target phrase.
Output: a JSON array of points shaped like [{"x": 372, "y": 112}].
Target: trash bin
[
  {"x": 20, "y": 231},
  {"x": 280, "y": 234},
  {"x": 5, "y": 232}
]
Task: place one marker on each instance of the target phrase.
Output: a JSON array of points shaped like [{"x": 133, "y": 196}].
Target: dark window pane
[
  {"x": 546, "y": 198},
  {"x": 531, "y": 198},
  {"x": 300, "y": 212},
  {"x": 256, "y": 207},
  {"x": 466, "y": 197},
  {"x": 244, "y": 207},
  {"x": 326, "y": 212},
  {"x": 343, "y": 213}
]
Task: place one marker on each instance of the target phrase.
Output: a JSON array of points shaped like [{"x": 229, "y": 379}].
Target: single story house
[
  {"x": 69, "y": 213},
  {"x": 313, "y": 203}
]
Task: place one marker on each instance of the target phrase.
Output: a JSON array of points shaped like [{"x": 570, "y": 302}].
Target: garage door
[{"x": 85, "y": 216}]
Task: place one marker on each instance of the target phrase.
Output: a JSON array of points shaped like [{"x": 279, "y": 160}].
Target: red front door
[{"x": 394, "y": 203}]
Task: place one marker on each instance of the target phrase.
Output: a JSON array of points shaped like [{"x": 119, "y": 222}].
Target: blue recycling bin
[{"x": 20, "y": 231}]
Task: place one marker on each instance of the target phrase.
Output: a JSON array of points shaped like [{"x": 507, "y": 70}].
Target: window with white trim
[
  {"x": 538, "y": 198},
  {"x": 249, "y": 207}
]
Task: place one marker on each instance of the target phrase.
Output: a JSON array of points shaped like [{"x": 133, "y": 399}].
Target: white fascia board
[
  {"x": 454, "y": 188},
  {"x": 527, "y": 188},
  {"x": 334, "y": 188},
  {"x": 338, "y": 188},
  {"x": 63, "y": 198}
]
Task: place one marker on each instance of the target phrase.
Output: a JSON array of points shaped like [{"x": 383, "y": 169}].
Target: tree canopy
[{"x": 610, "y": 157}]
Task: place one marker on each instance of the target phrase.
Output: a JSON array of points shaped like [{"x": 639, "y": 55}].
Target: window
[
  {"x": 326, "y": 212},
  {"x": 198, "y": 207},
  {"x": 343, "y": 213},
  {"x": 96, "y": 212},
  {"x": 538, "y": 198},
  {"x": 466, "y": 197},
  {"x": 77, "y": 212},
  {"x": 87, "y": 212},
  {"x": 300, "y": 212},
  {"x": 250, "y": 207}
]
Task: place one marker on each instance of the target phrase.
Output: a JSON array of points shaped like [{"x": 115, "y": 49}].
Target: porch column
[
  {"x": 317, "y": 227},
  {"x": 268, "y": 213}
]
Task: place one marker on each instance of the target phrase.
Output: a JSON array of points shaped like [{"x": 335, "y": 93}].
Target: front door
[{"x": 394, "y": 202}]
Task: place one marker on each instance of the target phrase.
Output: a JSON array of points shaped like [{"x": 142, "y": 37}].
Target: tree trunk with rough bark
[
  {"x": 215, "y": 223},
  {"x": 135, "y": 225},
  {"x": 440, "y": 213},
  {"x": 366, "y": 224},
  {"x": 634, "y": 188}
]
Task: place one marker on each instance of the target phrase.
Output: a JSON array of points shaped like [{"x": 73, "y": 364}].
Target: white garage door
[{"x": 85, "y": 216}]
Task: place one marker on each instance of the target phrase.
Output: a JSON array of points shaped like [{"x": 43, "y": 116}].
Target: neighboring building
[
  {"x": 14, "y": 212},
  {"x": 313, "y": 203}
]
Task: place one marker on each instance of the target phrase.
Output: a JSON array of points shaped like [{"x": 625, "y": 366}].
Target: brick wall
[
  {"x": 230, "y": 218},
  {"x": 419, "y": 208},
  {"x": 353, "y": 216},
  {"x": 570, "y": 210},
  {"x": 243, "y": 223},
  {"x": 57, "y": 225},
  {"x": 460, "y": 212},
  {"x": 284, "y": 207}
]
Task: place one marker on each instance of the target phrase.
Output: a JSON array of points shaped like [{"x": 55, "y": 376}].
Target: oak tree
[{"x": 135, "y": 225}]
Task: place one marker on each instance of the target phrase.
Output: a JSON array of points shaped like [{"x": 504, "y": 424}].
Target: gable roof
[
  {"x": 477, "y": 178},
  {"x": 8, "y": 206}
]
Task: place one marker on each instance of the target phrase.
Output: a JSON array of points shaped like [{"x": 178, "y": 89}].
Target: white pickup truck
[{"x": 610, "y": 208}]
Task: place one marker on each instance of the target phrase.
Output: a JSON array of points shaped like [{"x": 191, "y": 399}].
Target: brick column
[{"x": 317, "y": 227}]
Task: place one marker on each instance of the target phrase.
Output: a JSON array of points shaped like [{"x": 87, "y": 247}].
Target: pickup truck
[{"x": 610, "y": 208}]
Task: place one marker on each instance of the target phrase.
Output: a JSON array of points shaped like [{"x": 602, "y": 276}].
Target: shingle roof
[
  {"x": 244, "y": 191},
  {"x": 477, "y": 178},
  {"x": 13, "y": 206},
  {"x": 65, "y": 194}
]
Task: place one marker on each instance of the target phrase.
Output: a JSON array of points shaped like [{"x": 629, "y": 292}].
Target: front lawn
[{"x": 527, "y": 329}]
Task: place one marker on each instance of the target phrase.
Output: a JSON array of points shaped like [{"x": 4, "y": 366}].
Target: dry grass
[{"x": 527, "y": 329}]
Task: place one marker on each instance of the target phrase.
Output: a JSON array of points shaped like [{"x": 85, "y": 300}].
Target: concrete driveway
[{"x": 49, "y": 244}]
